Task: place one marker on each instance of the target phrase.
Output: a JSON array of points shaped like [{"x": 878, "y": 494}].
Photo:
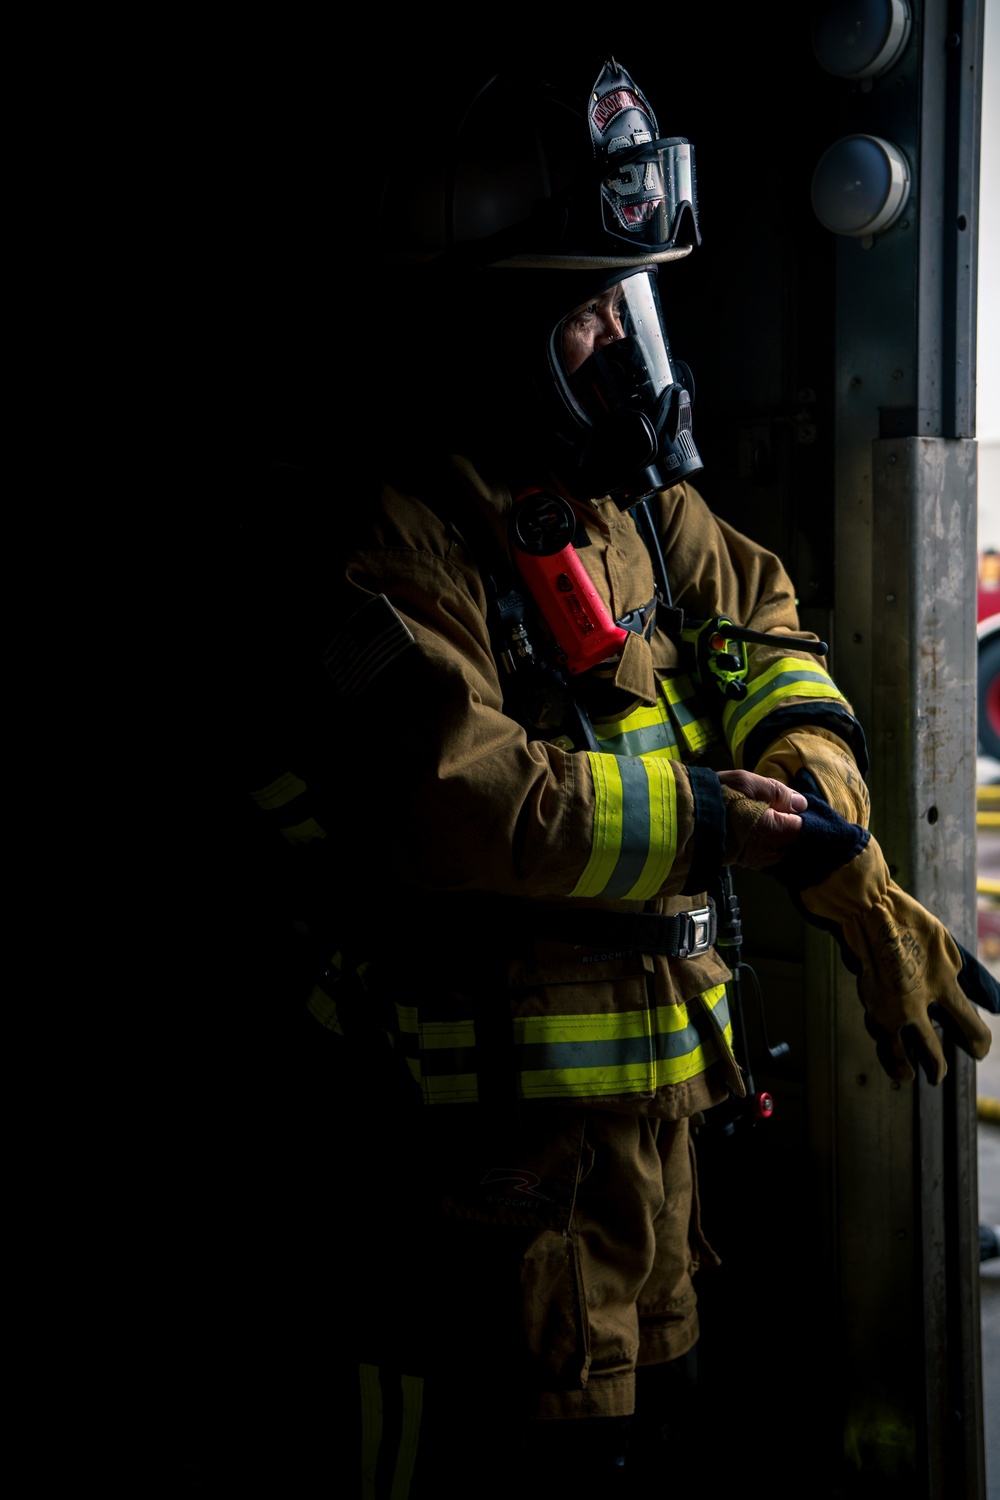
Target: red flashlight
[{"x": 572, "y": 608}]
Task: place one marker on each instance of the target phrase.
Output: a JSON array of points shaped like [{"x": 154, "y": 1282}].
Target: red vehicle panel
[{"x": 988, "y": 670}]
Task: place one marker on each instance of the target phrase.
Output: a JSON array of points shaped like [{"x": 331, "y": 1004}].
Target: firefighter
[{"x": 551, "y": 698}]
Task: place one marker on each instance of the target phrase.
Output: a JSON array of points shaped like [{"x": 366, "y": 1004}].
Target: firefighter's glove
[
  {"x": 762, "y": 819},
  {"x": 830, "y": 767},
  {"x": 910, "y": 970}
]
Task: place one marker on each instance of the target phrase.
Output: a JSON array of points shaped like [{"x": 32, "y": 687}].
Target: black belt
[{"x": 683, "y": 935}]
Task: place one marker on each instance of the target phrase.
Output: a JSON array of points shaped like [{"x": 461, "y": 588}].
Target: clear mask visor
[{"x": 611, "y": 353}]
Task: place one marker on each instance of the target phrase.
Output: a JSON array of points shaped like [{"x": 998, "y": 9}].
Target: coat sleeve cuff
[
  {"x": 709, "y": 830},
  {"x": 827, "y": 841}
]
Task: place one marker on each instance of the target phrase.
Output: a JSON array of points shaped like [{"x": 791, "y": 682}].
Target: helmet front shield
[{"x": 648, "y": 195}]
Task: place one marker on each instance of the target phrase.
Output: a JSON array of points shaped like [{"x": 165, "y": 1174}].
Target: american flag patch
[{"x": 373, "y": 638}]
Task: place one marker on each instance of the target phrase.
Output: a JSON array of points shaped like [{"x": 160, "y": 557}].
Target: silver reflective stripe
[
  {"x": 641, "y": 733},
  {"x": 634, "y": 848},
  {"x": 635, "y": 827}
]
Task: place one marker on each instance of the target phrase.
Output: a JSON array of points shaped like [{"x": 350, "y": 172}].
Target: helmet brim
[{"x": 542, "y": 262}]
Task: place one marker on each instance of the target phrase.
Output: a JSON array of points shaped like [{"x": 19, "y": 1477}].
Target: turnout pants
[{"x": 545, "y": 1257}]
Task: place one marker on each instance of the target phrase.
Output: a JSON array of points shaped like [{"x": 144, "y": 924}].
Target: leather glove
[
  {"x": 833, "y": 768},
  {"x": 910, "y": 970}
]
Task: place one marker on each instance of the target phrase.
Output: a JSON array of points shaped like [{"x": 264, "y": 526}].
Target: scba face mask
[{"x": 627, "y": 399}]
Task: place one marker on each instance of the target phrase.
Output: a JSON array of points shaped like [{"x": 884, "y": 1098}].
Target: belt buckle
[{"x": 699, "y": 931}]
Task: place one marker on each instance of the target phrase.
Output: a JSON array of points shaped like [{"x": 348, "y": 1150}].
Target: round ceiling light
[
  {"x": 860, "y": 38},
  {"x": 860, "y": 185}
]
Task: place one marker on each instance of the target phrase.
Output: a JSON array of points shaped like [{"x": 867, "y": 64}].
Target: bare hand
[{"x": 762, "y": 818}]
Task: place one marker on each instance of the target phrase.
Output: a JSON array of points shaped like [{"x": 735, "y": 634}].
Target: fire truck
[{"x": 988, "y": 654}]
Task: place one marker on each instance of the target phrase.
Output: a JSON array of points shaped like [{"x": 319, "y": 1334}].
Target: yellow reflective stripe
[
  {"x": 696, "y": 732},
  {"x": 377, "y": 1434},
  {"x": 786, "y": 678},
  {"x": 323, "y": 1008},
  {"x": 447, "y": 1088},
  {"x": 719, "y": 1019},
  {"x": 450, "y": 1045},
  {"x": 579, "y": 1056},
  {"x": 645, "y": 731},
  {"x": 648, "y": 731},
  {"x": 635, "y": 827},
  {"x": 304, "y": 832},
  {"x": 372, "y": 1418},
  {"x": 719, "y": 1016},
  {"x": 682, "y": 1043},
  {"x": 409, "y": 1437},
  {"x": 279, "y": 793},
  {"x": 662, "y": 845},
  {"x": 322, "y": 1005},
  {"x": 606, "y": 844}
]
